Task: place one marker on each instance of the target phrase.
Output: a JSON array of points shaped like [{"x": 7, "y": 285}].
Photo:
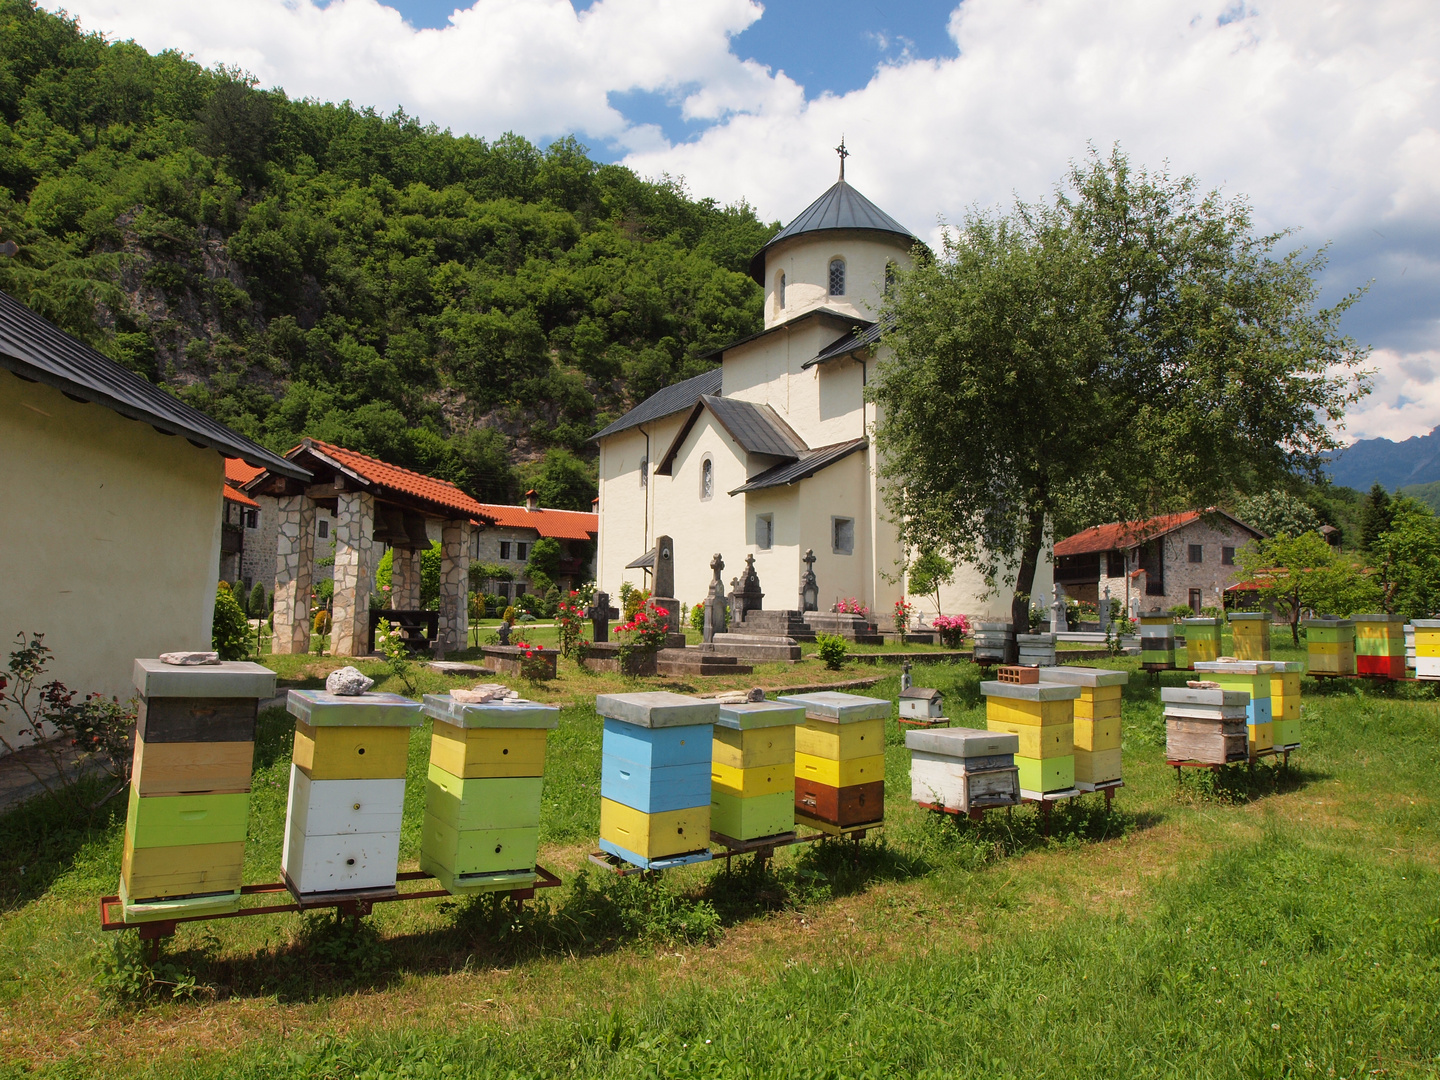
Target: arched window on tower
[
  {"x": 837, "y": 277},
  {"x": 890, "y": 269},
  {"x": 780, "y": 291}
]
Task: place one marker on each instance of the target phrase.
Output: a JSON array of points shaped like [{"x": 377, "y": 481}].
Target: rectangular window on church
[
  {"x": 765, "y": 531},
  {"x": 842, "y": 535}
]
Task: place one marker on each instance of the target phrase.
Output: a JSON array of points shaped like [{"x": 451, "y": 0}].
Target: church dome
[{"x": 842, "y": 207}]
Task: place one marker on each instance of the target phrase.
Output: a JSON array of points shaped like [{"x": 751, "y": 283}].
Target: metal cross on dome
[{"x": 843, "y": 155}]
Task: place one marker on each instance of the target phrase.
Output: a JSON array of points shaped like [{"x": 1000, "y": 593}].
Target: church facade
[{"x": 771, "y": 453}]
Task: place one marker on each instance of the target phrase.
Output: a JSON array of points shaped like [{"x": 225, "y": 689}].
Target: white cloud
[{"x": 1406, "y": 398}]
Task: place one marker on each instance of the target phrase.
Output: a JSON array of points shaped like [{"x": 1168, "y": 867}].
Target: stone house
[
  {"x": 1163, "y": 562},
  {"x": 261, "y": 533},
  {"x": 507, "y": 539}
]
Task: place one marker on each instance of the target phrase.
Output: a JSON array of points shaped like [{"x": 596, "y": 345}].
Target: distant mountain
[
  {"x": 1429, "y": 494},
  {"x": 1396, "y": 465}
]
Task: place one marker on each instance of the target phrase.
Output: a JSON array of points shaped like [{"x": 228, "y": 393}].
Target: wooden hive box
[
  {"x": 1042, "y": 716},
  {"x": 1206, "y": 726},
  {"x": 1202, "y": 638},
  {"x": 1097, "y": 721},
  {"x": 483, "y": 788},
  {"x": 752, "y": 770},
  {"x": 839, "y": 760},
  {"x": 1427, "y": 648},
  {"x": 655, "y": 776},
  {"x": 1036, "y": 650},
  {"x": 1250, "y": 631},
  {"x": 347, "y": 791},
  {"x": 963, "y": 769},
  {"x": 1380, "y": 645},
  {"x": 1330, "y": 646},
  {"x": 1254, "y": 677},
  {"x": 1285, "y": 702},
  {"x": 1157, "y": 638},
  {"x": 189, "y": 803}
]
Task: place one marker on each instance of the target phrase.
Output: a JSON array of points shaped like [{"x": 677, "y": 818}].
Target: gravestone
[
  {"x": 809, "y": 589},
  {"x": 1059, "y": 623},
  {"x": 715, "y": 602},
  {"x": 504, "y": 633},
  {"x": 1105, "y": 609},
  {"x": 663, "y": 595},
  {"x": 750, "y": 594},
  {"x": 600, "y": 616}
]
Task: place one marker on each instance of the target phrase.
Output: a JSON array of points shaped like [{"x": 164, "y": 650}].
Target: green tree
[
  {"x": 480, "y": 573},
  {"x": 1296, "y": 574},
  {"x": 543, "y": 565},
  {"x": 1376, "y": 515},
  {"x": 1406, "y": 557},
  {"x": 1278, "y": 513},
  {"x": 1128, "y": 349},
  {"x": 229, "y": 629},
  {"x": 562, "y": 481},
  {"x": 928, "y": 574},
  {"x": 258, "y": 607},
  {"x": 430, "y": 561}
]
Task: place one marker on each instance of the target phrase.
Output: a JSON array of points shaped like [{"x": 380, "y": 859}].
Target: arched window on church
[
  {"x": 780, "y": 291},
  {"x": 890, "y": 269},
  {"x": 837, "y": 277},
  {"x": 707, "y": 478}
]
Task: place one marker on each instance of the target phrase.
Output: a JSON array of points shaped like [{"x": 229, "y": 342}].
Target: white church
[{"x": 771, "y": 453}]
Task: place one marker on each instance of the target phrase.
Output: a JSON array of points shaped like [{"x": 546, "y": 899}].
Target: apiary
[
  {"x": 1251, "y": 633},
  {"x": 1285, "y": 702},
  {"x": 655, "y": 777},
  {"x": 1036, "y": 650},
  {"x": 752, "y": 770},
  {"x": 347, "y": 791},
  {"x": 1202, "y": 639},
  {"x": 1206, "y": 726},
  {"x": 1330, "y": 646},
  {"x": 1253, "y": 677},
  {"x": 1097, "y": 722},
  {"x": 963, "y": 769},
  {"x": 482, "y": 792},
  {"x": 1427, "y": 648},
  {"x": 189, "y": 804},
  {"x": 1157, "y": 638},
  {"x": 1380, "y": 645},
  {"x": 839, "y": 760},
  {"x": 1042, "y": 716}
]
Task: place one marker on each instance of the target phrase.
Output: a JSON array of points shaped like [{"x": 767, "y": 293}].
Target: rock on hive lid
[
  {"x": 227, "y": 679},
  {"x": 1038, "y": 691},
  {"x": 320, "y": 708},
  {"x": 746, "y": 716},
  {"x": 657, "y": 709},
  {"x": 841, "y": 708},
  {"x": 508, "y": 713},
  {"x": 1084, "y": 676},
  {"x": 962, "y": 742}
]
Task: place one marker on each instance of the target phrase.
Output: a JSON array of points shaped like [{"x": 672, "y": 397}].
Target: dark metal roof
[
  {"x": 809, "y": 464},
  {"x": 788, "y": 324},
  {"x": 757, "y": 429},
  {"x": 848, "y": 344},
  {"x": 39, "y": 351},
  {"x": 671, "y": 399},
  {"x": 644, "y": 562},
  {"x": 842, "y": 207}
]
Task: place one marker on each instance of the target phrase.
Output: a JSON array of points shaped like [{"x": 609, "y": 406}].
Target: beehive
[
  {"x": 190, "y": 788},
  {"x": 839, "y": 760},
  {"x": 963, "y": 769},
  {"x": 1042, "y": 715},
  {"x": 482, "y": 792},
  {"x": 1285, "y": 702},
  {"x": 1330, "y": 646},
  {"x": 655, "y": 777},
  {"x": 1251, "y": 633},
  {"x": 992, "y": 641},
  {"x": 1207, "y": 726},
  {"x": 1254, "y": 678},
  {"x": 1380, "y": 645},
  {"x": 1427, "y": 648},
  {"x": 347, "y": 791},
  {"x": 752, "y": 770},
  {"x": 1097, "y": 721},
  {"x": 1202, "y": 639},
  {"x": 1036, "y": 650},
  {"x": 1157, "y": 638}
]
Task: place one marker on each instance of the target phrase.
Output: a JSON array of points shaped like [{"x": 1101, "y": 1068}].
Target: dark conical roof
[{"x": 842, "y": 207}]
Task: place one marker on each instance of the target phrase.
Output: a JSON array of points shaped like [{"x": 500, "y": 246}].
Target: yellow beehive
[
  {"x": 1097, "y": 722},
  {"x": 1042, "y": 715},
  {"x": 1251, "y": 633}
]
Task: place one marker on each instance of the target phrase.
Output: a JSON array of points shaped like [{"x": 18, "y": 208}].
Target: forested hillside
[{"x": 460, "y": 306}]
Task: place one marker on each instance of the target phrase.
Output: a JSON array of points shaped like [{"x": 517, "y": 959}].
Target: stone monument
[
  {"x": 600, "y": 614},
  {"x": 715, "y": 603},
  {"x": 1105, "y": 609},
  {"x": 1059, "y": 623},
  {"x": 809, "y": 589},
  {"x": 663, "y": 593}
]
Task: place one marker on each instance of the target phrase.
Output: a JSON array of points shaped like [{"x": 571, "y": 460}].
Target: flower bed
[{"x": 533, "y": 662}]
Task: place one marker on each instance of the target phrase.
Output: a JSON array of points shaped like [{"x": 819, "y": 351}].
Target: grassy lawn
[{"x": 1266, "y": 924}]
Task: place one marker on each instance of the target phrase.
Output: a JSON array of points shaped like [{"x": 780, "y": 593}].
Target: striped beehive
[
  {"x": 1157, "y": 638},
  {"x": 1253, "y": 677},
  {"x": 839, "y": 760},
  {"x": 1427, "y": 648},
  {"x": 190, "y": 788},
  {"x": 1202, "y": 639},
  {"x": 1380, "y": 645},
  {"x": 1285, "y": 702},
  {"x": 1251, "y": 633},
  {"x": 1042, "y": 715},
  {"x": 1204, "y": 725},
  {"x": 1330, "y": 646},
  {"x": 1097, "y": 722},
  {"x": 655, "y": 777},
  {"x": 963, "y": 769},
  {"x": 752, "y": 770},
  {"x": 482, "y": 792},
  {"x": 1036, "y": 650},
  {"x": 347, "y": 791}
]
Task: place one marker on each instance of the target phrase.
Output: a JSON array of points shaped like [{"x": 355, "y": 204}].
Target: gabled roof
[
  {"x": 848, "y": 344},
  {"x": 239, "y": 472},
  {"x": 672, "y": 399},
  {"x": 1128, "y": 534},
  {"x": 842, "y": 207},
  {"x": 39, "y": 351},
  {"x": 756, "y": 429},
  {"x": 853, "y": 322},
  {"x": 238, "y": 496},
  {"x": 381, "y": 475},
  {"x": 808, "y": 465},
  {"x": 560, "y": 524}
]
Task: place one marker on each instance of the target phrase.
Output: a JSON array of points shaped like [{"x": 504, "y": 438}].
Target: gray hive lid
[
  {"x": 838, "y": 707},
  {"x": 1041, "y": 691},
  {"x": 320, "y": 708},
  {"x": 750, "y": 715},
  {"x": 842, "y": 207},
  {"x": 1185, "y": 695},
  {"x": 657, "y": 709},
  {"x": 1085, "y": 676},
  {"x": 490, "y": 714},
  {"x": 1236, "y": 667},
  {"x": 227, "y": 679},
  {"x": 962, "y": 742}
]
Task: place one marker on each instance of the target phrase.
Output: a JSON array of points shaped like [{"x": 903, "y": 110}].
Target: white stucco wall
[
  {"x": 805, "y": 261},
  {"x": 109, "y": 535}
]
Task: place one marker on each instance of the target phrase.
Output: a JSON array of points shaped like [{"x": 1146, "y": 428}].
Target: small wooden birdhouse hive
[{"x": 921, "y": 703}]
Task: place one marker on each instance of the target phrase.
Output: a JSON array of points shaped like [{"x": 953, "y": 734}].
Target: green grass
[{"x": 1267, "y": 924}]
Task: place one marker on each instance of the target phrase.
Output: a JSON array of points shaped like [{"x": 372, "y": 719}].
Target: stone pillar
[
  {"x": 354, "y": 576},
  {"x": 454, "y": 583},
  {"x": 294, "y": 562},
  {"x": 405, "y": 579}
]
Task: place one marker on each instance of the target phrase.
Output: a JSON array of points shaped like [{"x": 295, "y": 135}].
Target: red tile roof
[
  {"x": 561, "y": 524},
  {"x": 239, "y": 472},
  {"x": 441, "y": 492},
  {"x": 1127, "y": 534},
  {"x": 239, "y": 496}
]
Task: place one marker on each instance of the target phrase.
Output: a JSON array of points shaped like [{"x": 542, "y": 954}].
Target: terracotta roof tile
[
  {"x": 239, "y": 496},
  {"x": 561, "y": 524},
  {"x": 1127, "y": 534},
  {"x": 441, "y": 492},
  {"x": 240, "y": 472}
]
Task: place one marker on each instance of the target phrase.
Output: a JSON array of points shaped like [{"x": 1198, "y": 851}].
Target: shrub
[
  {"x": 390, "y": 644},
  {"x": 645, "y": 633},
  {"x": 321, "y": 623},
  {"x": 258, "y": 608},
  {"x": 570, "y": 618},
  {"x": 904, "y": 611},
  {"x": 530, "y": 603},
  {"x": 1182, "y": 611},
  {"x": 229, "y": 629},
  {"x": 952, "y": 629},
  {"x": 832, "y": 649},
  {"x": 551, "y": 602},
  {"x": 509, "y": 614},
  {"x": 697, "y": 618}
]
